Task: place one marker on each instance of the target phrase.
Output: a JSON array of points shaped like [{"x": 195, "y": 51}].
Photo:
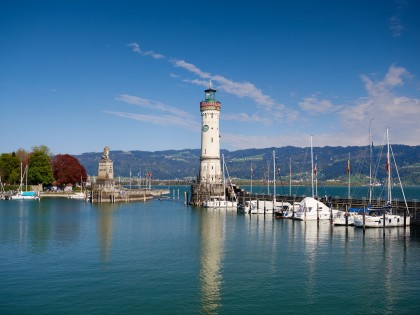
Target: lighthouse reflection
[
  {"x": 212, "y": 230},
  {"x": 105, "y": 223}
]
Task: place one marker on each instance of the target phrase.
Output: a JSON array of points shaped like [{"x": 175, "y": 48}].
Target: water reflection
[
  {"x": 314, "y": 235},
  {"x": 212, "y": 230},
  {"x": 37, "y": 223},
  {"x": 105, "y": 223},
  {"x": 384, "y": 254}
]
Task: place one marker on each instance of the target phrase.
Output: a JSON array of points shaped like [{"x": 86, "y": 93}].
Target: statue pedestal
[{"x": 105, "y": 171}]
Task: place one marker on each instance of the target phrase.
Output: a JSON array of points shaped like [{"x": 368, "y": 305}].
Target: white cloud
[
  {"x": 151, "y": 104},
  {"x": 191, "y": 68},
  {"x": 175, "y": 117},
  {"x": 316, "y": 106},
  {"x": 136, "y": 48},
  {"x": 244, "y": 117},
  {"x": 396, "y": 26},
  {"x": 162, "y": 120},
  {"x": 399, "y": 113},
  {"x": 240, "y": 89},
  {"x": 238, "y": 141}
]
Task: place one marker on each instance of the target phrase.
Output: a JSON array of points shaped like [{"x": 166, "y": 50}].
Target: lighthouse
[
  {"x": 210, "y": 171},
  {"x": 209, "y": 182}
]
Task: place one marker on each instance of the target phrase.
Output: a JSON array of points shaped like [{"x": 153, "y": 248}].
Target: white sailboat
[
  {"x": 25, "y": 195},
  {"x": 267, "y": 206},
  {"x": 381, "y": 217},
  {"x": 345, "y": 217},
  {"x": 309, "y": 208}
]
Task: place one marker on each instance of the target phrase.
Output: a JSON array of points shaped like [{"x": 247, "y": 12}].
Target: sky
[{"x": 77, "y": 76}]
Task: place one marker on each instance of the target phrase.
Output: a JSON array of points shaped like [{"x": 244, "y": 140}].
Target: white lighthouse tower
[
  {"x": 210, "y": 171},
  {"x": 210, "y": 182}
]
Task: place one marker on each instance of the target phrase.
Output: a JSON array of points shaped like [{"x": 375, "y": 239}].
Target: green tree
[
  {"x": 44, "y": 149},
  {"x": 40, "y": 171},
  {"x": 9, "y": 168}
]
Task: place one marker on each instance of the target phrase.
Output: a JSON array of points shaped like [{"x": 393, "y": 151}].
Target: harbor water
[{"x": 64, "y": 256}]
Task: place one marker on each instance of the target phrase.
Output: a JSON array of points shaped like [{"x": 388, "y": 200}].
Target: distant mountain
[{"x": 331, "y": 163}]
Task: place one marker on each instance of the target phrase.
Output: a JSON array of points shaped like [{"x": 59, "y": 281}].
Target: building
[{"x": 210, "y": 181}]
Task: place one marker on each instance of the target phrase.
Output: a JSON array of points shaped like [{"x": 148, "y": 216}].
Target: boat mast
[
  {"x": 290, "y": 177},
  {"x": 268, "y": 177},
  {"x": 388, "y": 168},
  {"x": 348, "y": 181},
  {"x": 21, "y": 178},
  {"x": 274, "y": 178},
  {"x": 312, "y": 169},
  {"x": 224, "y": 179},
  {"x": 316, "y": 175},
  {"x": 399, "y": 178},
  {"x": 370, "y": 161},
  {"x": 252, "y": 173},
  {"x": 26, "y": 178}
]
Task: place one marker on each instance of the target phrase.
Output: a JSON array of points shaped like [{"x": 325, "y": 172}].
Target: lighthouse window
[
  {"x": 211, "y": 115},
  {"x": 211, "y": 139},
  {"x": 205, "y": 151}
]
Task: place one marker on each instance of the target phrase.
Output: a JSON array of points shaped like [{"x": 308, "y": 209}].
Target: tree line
[{"x": 42, "y": 167}]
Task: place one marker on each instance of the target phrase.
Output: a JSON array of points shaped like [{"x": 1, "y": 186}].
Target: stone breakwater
[{"x": 113, "y": 195}]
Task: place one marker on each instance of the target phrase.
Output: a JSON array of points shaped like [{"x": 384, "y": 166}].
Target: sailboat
[
  {"x": 25, "y": 195},
  {"x": 346, "y": 217},
  {"x": 310, "y": 208},
  {"x": 381, "y": 217}
]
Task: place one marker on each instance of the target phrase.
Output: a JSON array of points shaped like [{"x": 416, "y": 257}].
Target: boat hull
[{"x": 391, "y": 220}]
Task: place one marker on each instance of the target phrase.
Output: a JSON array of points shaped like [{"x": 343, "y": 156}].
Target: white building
[
  {"x": 210, "y": 180},
  {"x": 210, "y": 170}
]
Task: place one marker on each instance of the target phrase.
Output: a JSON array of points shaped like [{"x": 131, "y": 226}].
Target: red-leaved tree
[{"x": 67, "y": 170}]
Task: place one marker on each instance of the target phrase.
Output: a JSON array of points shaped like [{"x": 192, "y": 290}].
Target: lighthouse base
[{"x": 201, "y": 192}]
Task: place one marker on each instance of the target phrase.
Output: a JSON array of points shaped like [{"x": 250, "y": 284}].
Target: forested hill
[{"x": 331, "y": 163}]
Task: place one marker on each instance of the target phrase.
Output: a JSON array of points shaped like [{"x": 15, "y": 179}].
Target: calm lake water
[{"x": 62, "y": 256}]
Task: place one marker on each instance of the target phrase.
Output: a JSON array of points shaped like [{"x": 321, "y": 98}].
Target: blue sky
[{"x": 79, "y": 75}]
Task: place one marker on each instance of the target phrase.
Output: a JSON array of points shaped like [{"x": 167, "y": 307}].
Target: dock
[{"x": 338, "y": 203}]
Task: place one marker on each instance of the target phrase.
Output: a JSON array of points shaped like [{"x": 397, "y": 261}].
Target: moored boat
[
  {"x": 379, "y": 218},
  {"x": 286, "y": 211},
  {"x": 78, "y": 195},
  {"x": 25, "y": 195},
  {"x": 340, "y": 217},
  {"x": 312, "y": 209},
  {"x": 383, "y": 216}
]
